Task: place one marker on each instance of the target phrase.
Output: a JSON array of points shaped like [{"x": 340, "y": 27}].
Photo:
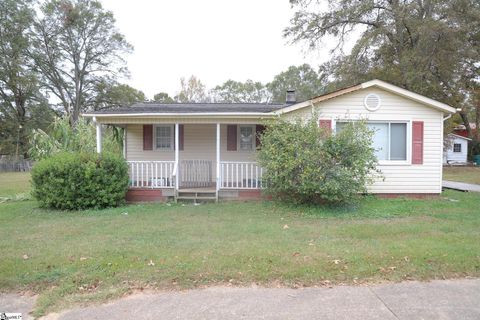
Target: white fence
[
  {"x": 151, "y": 174},
  {"x": 240, "y": 175}
]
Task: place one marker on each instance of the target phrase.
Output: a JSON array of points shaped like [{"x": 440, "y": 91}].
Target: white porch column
[
  {"x": 218, "y": 156},
  {"x": 177, "y": 153},
  {"x": 99, "y": 135}
]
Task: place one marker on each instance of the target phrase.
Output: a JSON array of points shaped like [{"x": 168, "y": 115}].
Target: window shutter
[
  {"x": 417, "y": 142},
  {"x": 147, "y": 137},
  {"x": 325, "y": 124},
  {"x": 232, "y": 137},
  {"x": 181, "y": 136},
  {"x": 258, "y": 131}
]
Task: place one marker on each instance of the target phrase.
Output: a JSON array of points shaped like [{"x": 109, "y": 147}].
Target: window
[
  {"x": 457, "y": 147},
  {"x": 164, "y": 137},
  {"x": 389, "y": 140},
  {"x": 246, "y": 138}
]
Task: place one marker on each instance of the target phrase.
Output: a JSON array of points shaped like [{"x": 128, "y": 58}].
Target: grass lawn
[
  {"x": 79, "y": 257},
  {"x": 12, "y": 183},
  {"x": 462, "y": 174}
]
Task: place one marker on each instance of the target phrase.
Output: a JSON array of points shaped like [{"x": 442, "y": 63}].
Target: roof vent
[
  {"x": 372, "y": 102},
  {"x": 290, "y": 97}
]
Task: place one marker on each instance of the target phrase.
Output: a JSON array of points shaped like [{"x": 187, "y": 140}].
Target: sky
[{"x": 215, "y": 40}]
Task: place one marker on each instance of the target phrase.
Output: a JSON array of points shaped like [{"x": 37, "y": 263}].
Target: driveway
[{"x": 461, "y": 186}]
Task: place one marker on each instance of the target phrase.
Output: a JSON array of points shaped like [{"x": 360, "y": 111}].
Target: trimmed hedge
[{"x": 74, "y": 181}]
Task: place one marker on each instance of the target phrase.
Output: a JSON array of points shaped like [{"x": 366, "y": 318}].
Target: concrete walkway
[
  {"x": 461, "y": 186},
  {"x": 448, "y": 299}
]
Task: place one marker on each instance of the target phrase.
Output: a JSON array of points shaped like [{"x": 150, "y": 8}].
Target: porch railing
[
  {"x": 151, "y": 174},
  {"x": 240, "y": 175}
]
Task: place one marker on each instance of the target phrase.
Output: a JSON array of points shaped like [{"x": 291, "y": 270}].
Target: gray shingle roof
[{"x": 140, "y": 108}]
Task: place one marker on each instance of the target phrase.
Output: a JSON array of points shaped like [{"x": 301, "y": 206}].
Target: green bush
[
  {"x": 307, "y": 164},
  {"x": 75, "y": 181}
]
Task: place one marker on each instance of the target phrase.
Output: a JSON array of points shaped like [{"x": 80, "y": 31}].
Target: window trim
[
  {"x": 239, "y": 148},
  {"x": 408, "y": 122},
  {"x": 460, "y": 149},
  {"x": 172, "y": 138}
]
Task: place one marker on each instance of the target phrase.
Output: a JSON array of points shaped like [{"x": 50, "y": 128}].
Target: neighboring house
[
  {"x": 456, "y": 151},
  {"x": 208, "y": 150},
  {"x": 460, "y": 130}
]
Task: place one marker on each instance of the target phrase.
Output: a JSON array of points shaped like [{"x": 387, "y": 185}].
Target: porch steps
[{"x": 196, "y": 195}]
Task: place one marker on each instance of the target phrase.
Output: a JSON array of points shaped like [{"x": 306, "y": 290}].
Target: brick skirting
[
  {"x": 145, "y": 195},
  {"x": 406, "y": 195}
]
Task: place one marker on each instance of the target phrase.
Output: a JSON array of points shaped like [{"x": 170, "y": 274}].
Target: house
[
  {"x": 456, "y": 149},
  {"x": 207, "y": 150}
]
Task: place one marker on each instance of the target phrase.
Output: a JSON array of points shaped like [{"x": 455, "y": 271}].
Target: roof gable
[{"x": 369, "y": 84}]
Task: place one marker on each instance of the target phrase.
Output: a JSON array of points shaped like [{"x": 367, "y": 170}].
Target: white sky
[{"x": 215, "y": 40}]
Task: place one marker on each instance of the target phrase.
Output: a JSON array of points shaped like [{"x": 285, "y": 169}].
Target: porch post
[
  {"x": 99, "y": 135},
  {"x": 177, "y": 153},
  {"x": 218, "y": 156}
]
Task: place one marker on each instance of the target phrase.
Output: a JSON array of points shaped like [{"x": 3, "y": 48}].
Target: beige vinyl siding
[
  {"x": 405, "y": 178},
  {"x": 199, "y": 144}
]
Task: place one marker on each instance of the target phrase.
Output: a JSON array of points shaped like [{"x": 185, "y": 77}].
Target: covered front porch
[{"x": 191, "y": 160}]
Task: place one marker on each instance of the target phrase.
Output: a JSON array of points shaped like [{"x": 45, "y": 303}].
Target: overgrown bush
[
  {"x": 75, "y": 181},
  {"x": 62, "y": 137},
  {"x": 307, "y": 164}
]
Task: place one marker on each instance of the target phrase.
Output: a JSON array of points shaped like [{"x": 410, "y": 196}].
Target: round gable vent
[{"x": 372, "y": 102}]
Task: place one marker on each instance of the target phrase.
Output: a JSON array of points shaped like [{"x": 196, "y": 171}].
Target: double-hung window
[
  {"x": 164, "y": 137},
  {"x": 389, "y": 139},
  {"x": 246, "y": 138}
]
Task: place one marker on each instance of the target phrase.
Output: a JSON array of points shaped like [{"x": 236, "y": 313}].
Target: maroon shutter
[
  {"x": 417, "y": 142},
  {"x": 232, "y": 137},
  {"x": 180, "y": 136},
  {"x": 147, "y": 137},
  {"x": 258, "y": 132},
  {"x": 325, "y": 124}
]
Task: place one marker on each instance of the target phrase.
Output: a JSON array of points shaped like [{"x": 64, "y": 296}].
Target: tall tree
[
  {"x": 111, "y": 95},
  {"x": 75, "y": 47},
  {"x": 19, "y": 94},
  {"x": 192, "y": 90},
  {"x": 235, "y": 91},
  {"x": 306, "y": 82},
  {"x": 430, "y": 47},
  {"x": 163, "y": 97}
]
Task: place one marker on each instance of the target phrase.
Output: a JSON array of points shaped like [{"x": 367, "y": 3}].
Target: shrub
[
  {"x": 307, "y": 164},
  {"x": 76, "y": 181}
]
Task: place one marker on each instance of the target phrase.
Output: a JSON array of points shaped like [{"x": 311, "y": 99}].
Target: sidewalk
[{"x": 447, "y": 299}]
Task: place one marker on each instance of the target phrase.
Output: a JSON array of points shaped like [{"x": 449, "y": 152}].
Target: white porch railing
[
  {"x": 240, "y": 175},
  {"x": 151, "y": 174}
]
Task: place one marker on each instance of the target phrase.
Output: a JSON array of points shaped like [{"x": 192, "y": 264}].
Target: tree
[
  {"x": 429, "y": 47},
  {"x": 306, "y": 82},
  {"x": 19, "y": 95},
  {"x": 111, "y": 95},
  {"x": 235, "y": 92},
  {"x": 163, "y": 97},
  {"x": 75, "y": 47},
  {"x": 192, "y": 90}
]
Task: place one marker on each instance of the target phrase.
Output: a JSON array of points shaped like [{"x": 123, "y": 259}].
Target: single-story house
[
  {"x": 456, "y": 149},
  {"x": 208, "y": 150}
]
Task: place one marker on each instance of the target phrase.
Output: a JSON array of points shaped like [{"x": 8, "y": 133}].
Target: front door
[{"x": 196, "y": 174}]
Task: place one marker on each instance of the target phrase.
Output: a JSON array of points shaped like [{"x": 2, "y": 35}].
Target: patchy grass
[
  {"x": 462, "y": 174},
  {"x": 90, "y": 256},
  {"x": 12, "y": 183}
]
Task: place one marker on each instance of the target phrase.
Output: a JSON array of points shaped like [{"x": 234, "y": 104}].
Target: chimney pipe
[{"x": 290, "y": 97}]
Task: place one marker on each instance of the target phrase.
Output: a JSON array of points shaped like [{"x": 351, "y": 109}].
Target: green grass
[
  {"x": 462, "y": 174},
  {"x": 13, "y": 183},
  {"x": 80, "y": 257}
]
